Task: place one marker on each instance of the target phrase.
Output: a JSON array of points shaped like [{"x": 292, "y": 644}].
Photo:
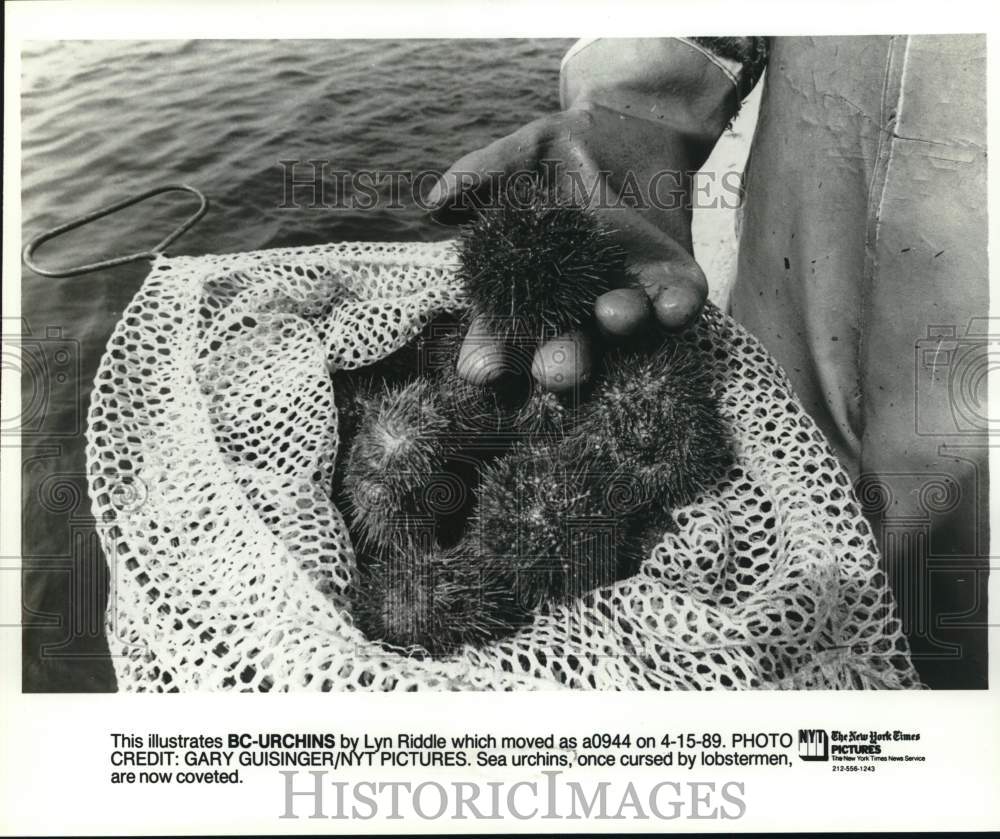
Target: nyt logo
[{"x": 814, "y": 744}]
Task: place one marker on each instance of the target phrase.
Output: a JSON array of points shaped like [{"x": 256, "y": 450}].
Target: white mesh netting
[{"x": 211, "y": 443}]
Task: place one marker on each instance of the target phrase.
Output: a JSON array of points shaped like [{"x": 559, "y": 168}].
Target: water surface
[{"x": 105, "y": 120}]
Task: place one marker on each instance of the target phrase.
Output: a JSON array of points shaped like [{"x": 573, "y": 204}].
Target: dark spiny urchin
[
  {"x": 545, "y": 527},
  {"x": 473, "y": 409},
  {"x": 547, "y": 414},
  {"x": 429, "y": 601},
  {"x": 472, "y": 505},
  {"x": 558, "y": 515},
  {"x": 535, "y": 265},
  {"x": 654, "y": 417},
  {"x": 486, "y": 412},
  {"x": 432, "y": 353},
  {"x": 400, "y": 446}
]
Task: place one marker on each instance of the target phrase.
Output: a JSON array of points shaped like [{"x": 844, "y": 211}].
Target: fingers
[
  {"x": 671, "y": 296},
  {"x": 677, "y": 306},
  {"x": 557, "y": 365},
  {"x": 677, "y": 288},
  {"x": 663, "y": 266},
  {"x": 563, "y": 363},
  {"x": 659, "y": 255},
  {"x": 673, "y": 293},
  {"x": 623, "y": 312},
  {"x": 482, "y": 358}
]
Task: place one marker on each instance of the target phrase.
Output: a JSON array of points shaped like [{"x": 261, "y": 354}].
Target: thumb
[
  {"x": 673, "y": 293},
  {"x": 663, "y": 266},
  {"x": 676, "y": 286}
]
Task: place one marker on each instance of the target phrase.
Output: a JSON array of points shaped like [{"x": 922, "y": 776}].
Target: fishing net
[{"x": 212, "y": 442}]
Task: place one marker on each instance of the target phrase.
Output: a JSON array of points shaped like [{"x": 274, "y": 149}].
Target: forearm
[
  {"x": 647, "y": 113},
  {"x": 689, "y": 86}
]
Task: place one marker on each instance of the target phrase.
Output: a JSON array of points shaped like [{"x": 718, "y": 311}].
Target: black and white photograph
[
  {"x": 597, "y": 365},
  {"x": 471, "y": 423}
]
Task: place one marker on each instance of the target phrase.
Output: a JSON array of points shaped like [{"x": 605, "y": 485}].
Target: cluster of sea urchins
[{"x": 470, "y": 505}]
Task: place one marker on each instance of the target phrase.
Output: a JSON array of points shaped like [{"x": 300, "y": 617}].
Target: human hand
[{"x": 634, "y": 175}]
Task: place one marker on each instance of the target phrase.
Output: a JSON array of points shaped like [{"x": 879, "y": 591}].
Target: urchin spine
[
  {"x": 534, "y": 265},
  {"x": 569, "y": 493}
]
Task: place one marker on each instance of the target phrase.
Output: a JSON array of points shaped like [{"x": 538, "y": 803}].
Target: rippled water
[{"x": 104, "y": 120}]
